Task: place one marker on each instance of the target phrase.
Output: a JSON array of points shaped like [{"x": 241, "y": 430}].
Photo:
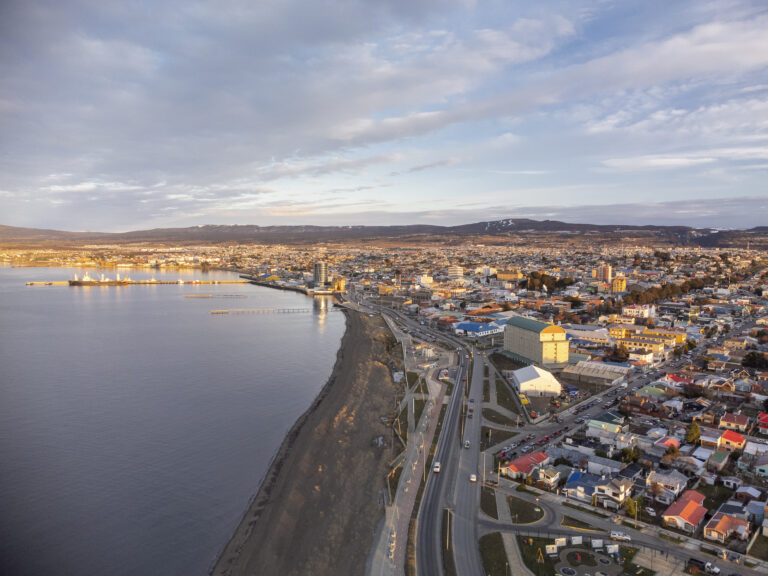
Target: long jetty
[
  {"x": 263, "y": 311},
  {"x": 87, "y": 284}
]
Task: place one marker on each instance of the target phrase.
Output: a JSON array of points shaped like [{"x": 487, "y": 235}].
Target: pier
[
  {"x": 87, "y": 283},
  {"x": 263, "y": 311}
]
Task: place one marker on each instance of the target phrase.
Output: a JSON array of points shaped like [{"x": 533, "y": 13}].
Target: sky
[{"x": 129, "y": 115}]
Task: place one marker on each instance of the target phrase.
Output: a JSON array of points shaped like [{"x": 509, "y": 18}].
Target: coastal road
[
  {"x": 429, "y": 536},
  {"x": 466, "y": 494}
]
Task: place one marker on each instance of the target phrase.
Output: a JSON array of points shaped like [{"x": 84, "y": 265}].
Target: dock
[
  {"x": 87, "y": 284},
  {"x": 263, "y": 311}
]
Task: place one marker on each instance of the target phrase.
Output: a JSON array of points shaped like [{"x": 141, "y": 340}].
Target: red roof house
[
  {"x": 525, "y": 465},
  {"x": 687, "y": 513},
  {"x": 762, "y": 423},
  {"x": 730, "y": 440}
]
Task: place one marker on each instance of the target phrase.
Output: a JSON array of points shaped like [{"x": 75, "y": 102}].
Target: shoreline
[
  {"x": 261, "y": 498},
  {"x": 319, "y": 504}
]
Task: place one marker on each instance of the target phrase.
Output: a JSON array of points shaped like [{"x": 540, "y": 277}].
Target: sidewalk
[
  {"x": 398, "y": 516},
  {"x": 514, "y": 558},
  {"x": 659, "y": 562}
]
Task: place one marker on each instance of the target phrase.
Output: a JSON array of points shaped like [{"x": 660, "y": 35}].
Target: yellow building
[
  {"x": 535, "y": 341},
  {"x": 680, "y": 336},
  {"x": 509, "y": 275},
  {"x": 645, "y": 344},
  {"x": 619, "y": 285},
  {"x": 623, "y": 330},
  {"x": 339, "y": 284}
]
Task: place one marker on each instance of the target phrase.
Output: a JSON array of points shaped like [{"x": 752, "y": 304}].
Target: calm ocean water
[{"x": 134, "y": 425}]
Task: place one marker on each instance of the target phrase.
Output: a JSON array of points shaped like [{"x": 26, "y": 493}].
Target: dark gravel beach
[{"x": 319, "y": 504}]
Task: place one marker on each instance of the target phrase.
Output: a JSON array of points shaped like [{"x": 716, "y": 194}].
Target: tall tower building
[
  {"x": 321, "y": 274},
  {"x": 604, "y": 273}
]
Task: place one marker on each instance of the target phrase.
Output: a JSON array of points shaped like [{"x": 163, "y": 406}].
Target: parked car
[
  {"x": 696, "y": 565},
  {"x": 651, "y": 512}
]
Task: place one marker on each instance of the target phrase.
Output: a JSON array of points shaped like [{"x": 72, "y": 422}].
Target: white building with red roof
[
  {"x": 525, "y": 465},
  {"x": 687, "y": 512}
]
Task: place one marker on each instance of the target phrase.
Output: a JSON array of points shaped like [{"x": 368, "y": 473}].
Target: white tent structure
[{"x": 535, "y": 381}]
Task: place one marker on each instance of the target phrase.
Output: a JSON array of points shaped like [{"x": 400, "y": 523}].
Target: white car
[
  {"x": 622, "y": 536},
  {"x": 651, "y": 512},
  {"x": 473, "y": 477},
  {"x": 436, "y": 467}
]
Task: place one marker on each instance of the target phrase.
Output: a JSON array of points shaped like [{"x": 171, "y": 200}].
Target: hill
[{"x": 491, "y": 232}]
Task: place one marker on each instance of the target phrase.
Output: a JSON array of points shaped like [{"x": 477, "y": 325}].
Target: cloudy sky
[{"x": 125, "y": 115}]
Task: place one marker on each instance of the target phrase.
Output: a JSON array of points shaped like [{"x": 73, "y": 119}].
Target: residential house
[
  {"x": 732, "y": 482},
  {"x": 709, "y": 439},
  {"x": 613, "y": 492},
  {"x": 746, "y": 494},
  {"x": 737, "y": 422},
  {"x": 549, "y": 476},
  {"x": 603, "y": 466},
  {"x": 581, "y": 486},
  {"x": 762, "y": 423},
  {"x": 606, "y": 422},
  {"x": 665, "y": 486},
  {"x": 722, "y": 527},
  {"x": 717, "y": 460},
  {"x": 756, "y": 510},
  {"x": 730, "y": 440},
  {"x": 761, "y": 466},
  {"x": 686, "y": 513},
  {"x": 525, "y": 465}
]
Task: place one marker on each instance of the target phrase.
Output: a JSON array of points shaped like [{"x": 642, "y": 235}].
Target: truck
[{"x": 695, "y": 566}]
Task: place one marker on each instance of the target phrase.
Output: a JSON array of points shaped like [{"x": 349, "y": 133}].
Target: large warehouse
[
  {"x": 535, "y": 342},
  {"x": 586, "y": 372}
]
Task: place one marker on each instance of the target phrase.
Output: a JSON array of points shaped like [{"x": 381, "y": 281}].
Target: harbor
[{"x": 87, "y": 280}]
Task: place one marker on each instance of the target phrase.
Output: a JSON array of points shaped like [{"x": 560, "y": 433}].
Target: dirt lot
[{"x": 320, "y": 502}]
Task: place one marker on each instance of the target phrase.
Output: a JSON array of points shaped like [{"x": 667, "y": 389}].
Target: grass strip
[{"x": 493, "y": 554}]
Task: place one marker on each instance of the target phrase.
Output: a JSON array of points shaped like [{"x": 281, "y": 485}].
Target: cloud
[
  {"x": 685, "y": 160},
  {"x": 131, "y": 116}
]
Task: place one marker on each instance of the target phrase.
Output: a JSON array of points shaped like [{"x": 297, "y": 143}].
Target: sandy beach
[{"x": 320, "y": 502}]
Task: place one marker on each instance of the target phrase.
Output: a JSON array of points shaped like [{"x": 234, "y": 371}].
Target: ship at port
[{"x": 87, "y": 280}]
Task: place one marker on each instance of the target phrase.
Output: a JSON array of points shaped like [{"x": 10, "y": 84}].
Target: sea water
[{"x": 135, "y": 426}]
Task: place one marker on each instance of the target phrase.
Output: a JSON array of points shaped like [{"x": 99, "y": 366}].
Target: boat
[{"x": 88, "y": 281}]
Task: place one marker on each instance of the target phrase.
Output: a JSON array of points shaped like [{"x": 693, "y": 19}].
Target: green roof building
[{"x": 535, "y": 342}]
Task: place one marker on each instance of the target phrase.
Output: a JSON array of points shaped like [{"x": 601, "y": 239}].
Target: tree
[
  {"x": 692, "y": 433},
  {"x": 755, "y": 360},
  {"x": 630, "y": 454},
  {"x": 630, "y": 506}
]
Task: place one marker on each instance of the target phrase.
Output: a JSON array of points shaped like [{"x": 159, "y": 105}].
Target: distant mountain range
[{"x": 493, "y": 232}]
